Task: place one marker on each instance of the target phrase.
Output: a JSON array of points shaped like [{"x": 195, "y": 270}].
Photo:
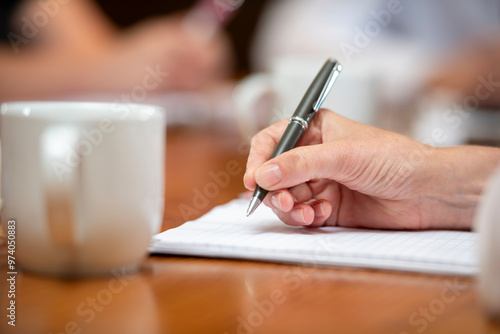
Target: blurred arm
[{"x": 47, "y": 62}]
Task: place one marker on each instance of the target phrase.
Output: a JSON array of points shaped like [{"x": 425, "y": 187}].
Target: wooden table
[{"x": 195, "y": 295}]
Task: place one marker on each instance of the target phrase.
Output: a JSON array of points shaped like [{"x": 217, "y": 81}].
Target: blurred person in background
[
  {"x": 55, "y": 48},
  {"x": 412, "y": 43}
]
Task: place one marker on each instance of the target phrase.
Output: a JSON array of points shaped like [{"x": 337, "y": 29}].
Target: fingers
[
  {"x": 296, "y": 206},
  {"x": 328, "y": 152},
  {"x": 280, "y": 200},
  {"x": 284, "y": 200},
  {"x": 264, "y": 143},
  {"x": 261, "y": 148},
  {"x": 301, "y": 165},
  {"x": 312, "y": 214},
  {"x": 295, "y": 200}
]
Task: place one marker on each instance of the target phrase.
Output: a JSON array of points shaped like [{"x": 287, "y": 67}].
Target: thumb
[{"x": 300, "y": 165}]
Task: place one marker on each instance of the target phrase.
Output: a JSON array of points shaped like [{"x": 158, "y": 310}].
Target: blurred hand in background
[{"x": 80, "y": 51}]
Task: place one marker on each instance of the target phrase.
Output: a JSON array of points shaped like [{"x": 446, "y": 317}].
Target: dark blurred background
[{"x": 241, "y": 29}]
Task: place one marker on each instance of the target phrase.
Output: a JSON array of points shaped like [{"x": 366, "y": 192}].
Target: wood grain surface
[{"x": 198, "y": 295}]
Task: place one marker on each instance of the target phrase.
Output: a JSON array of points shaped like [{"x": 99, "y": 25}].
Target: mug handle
[
  {"x": 254, "y": 98},
  {"x": 61, "y": 171}
]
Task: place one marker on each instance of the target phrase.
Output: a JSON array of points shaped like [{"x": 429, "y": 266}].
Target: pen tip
[
  {"x": 250, "y": 210},
  {"x": 254, "y": 203}
]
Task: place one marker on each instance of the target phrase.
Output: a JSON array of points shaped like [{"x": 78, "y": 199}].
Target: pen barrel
[
  {"x": 310, "y": 103},
  {"x": 290, "y": 138},
  {"x": 305, "y": 108}
]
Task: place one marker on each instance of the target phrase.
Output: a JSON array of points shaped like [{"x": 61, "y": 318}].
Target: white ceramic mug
[
  {"x": 487, "y": 222},
  {"x": 82, "y": 184}
]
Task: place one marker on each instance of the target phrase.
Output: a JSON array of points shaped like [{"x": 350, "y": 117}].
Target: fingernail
[
  {"x": 298, "y": 216},
  {"x": 319, "y": 211},
  {"x": 269, "y": 175},
  {"x": 276, "y": 200}
]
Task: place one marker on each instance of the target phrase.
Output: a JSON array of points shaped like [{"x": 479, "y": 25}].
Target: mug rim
[{"x": 80, "y": 111}]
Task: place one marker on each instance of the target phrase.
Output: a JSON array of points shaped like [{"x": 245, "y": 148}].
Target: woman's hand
[{"x": 350, "y": 174}]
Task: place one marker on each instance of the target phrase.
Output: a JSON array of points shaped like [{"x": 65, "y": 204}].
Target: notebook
[{"x": 225, "y": 232}]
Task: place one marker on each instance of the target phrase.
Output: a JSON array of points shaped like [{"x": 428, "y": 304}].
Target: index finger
[{"x": 261, "y": 149}]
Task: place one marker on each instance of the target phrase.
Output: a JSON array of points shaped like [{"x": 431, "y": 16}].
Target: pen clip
[{"x": 328, "y": 86}]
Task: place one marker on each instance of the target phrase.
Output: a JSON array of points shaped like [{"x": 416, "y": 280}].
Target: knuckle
[
  {"x": 254, "y": 140},
  {"x": 301, "y": 160}
]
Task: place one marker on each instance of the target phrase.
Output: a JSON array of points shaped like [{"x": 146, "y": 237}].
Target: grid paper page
[{"x": 225, "y": 232}]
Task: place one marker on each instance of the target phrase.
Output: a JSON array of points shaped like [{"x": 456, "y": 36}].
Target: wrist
[{"x": 456, "y": 179}]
